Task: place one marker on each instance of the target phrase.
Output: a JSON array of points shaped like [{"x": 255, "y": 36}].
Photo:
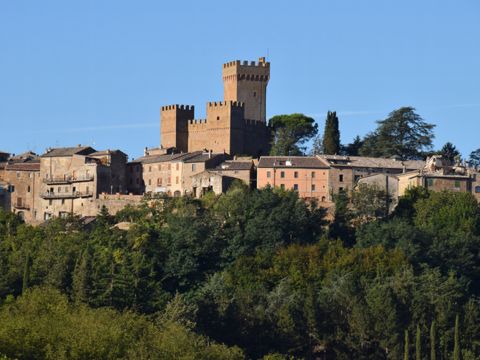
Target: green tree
[
  {"x": 290, "y": 132},
  {"x": 353, "y": 148},
  {"x": 474, "y": 158},
  {"x": 406, "y": 349},
  {"x": 403, "y": 134},
  {"x": 418, "y": 344},
  {"x": 317, "y": 146},
  {"x": 456, "y": 345},
  {"x": 449, "y": 152},
  {"x": 331, "y": 135},
  {"x": 26, "y": 273},
  {"x": 433, "y": 342}
]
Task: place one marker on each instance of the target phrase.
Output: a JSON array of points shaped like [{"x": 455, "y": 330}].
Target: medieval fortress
[
  {"x": 205, "y": 155},
  {"x": 236, "y": 125}
]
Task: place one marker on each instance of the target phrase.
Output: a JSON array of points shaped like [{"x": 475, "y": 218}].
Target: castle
[{"x": 236, "y": 126}]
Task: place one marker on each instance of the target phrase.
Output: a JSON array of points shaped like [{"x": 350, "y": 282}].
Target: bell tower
[{"x": 247, "y": 82}]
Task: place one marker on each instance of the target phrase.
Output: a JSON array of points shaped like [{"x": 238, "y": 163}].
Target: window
[
  {"x": 295, "y": 174},
  {"x": 169, "y": 166},
  {"x": 313, "y": 187},
  {"x": 149, "y": 181},
  {"x": 194, "y": 167},
  {"x": 295, "y": 187},
  {"x": 159, "y": 182},
  {"x": 11, "y": 188},
  {"x": 218, "y": 117},
  {"x": 176, "y": 166},
  {"x": 313, "y": 174},
  {"x": 28, "y": 188},
  {"x": 323, "y": 199},
  {"x": 457, "y": 184},
  {"x": 59, "y": 189},
  {"x": 50, "y": 202},
  {"x": 477, "y": 189},
  {"x": 282, "y": 186},
  {"x": 340, "y": 188},
  {"x": 282, "y": 174},
  {"x": 137, "y": 168},
  {"x": 254, "y": 94},
  {"x": 176, "y": 179},
  {"x": 66, "y": 189},
  {"x": 430, "y": 182},
  {"x": 149, "y": 169},
  {"x": 63, "y": 201},
  {"x": 340, "y": 177},
  {"x": 269, "y": 174}
]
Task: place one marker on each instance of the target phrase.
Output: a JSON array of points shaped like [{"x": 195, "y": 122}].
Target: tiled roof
[
  {"x": 234, "y": 165},
  {"x": 372, "y": 162},
  {"x": 69, "y": 151},
  {"x": 150, "y": 159},
  {"x": 292, "y": 162},
  {"x": 106, "y": 152},
  {"x": 201, "y": 157},
  {"x": 32, "y": 165}
]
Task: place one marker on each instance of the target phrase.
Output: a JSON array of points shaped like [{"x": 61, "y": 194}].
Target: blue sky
[{"x": 96, "y": 72}]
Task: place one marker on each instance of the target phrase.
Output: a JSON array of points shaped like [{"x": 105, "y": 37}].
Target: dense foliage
[
  {"x": 290, "y": 133},
  {"x": 331, "y": 135},
  {"x": 249, "y": 274}
]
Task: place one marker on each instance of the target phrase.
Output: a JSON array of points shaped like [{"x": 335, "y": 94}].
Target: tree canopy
[
  {"x": 290, "y": 133},
  {"x": 403, "y": 134},
  {"x": 331, "y": 135}
]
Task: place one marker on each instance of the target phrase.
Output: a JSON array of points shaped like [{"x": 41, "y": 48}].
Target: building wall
[
  {"x": 174, "y": 121},
  {"x": 157, "y": 177},
  {"x": 308, "y": 186},
  {"x": 24, "y": 199}
]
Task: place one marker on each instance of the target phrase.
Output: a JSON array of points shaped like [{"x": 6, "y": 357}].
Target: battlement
[
  {"x": 261, "y": 63},
  {"x": 197, "y": 121},
  {"x": 226, "y": 103},
  {"x": 178, "y": 107}
]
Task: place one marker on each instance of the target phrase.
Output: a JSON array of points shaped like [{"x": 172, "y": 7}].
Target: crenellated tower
[
  {"x": 247, "y": 82},
  {"x": 174, "y": 121}
]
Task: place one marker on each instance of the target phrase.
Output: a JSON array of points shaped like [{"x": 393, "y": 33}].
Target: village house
[{"x": 308, "y": 175}]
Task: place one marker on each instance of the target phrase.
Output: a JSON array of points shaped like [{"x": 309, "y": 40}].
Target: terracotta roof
[
  {"x": 231, "y": 165},
  {"x": 32, "y": 165},
  {"x": 150, "y": 159},
  {"x": 201, "y": 157},
  {"x": 69, "y": 151},
  {"x": 106, "y": 152},
  {"x": 292, "y": 162},
  {"x": 372, "y": 162}
]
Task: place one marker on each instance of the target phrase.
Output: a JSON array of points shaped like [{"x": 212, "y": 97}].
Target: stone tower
[{"x": 247, "y": 82}]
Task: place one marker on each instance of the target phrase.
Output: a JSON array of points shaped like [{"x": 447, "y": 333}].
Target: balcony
[
  {"x": 67, "y": 179},
  {"x": 21, "y": 206},
  {"x": 72, "y": 195}
]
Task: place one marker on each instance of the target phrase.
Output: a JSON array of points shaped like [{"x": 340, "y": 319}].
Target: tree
[
  {"x": 290, "y": 132},
  {"x": 474, "y": 158},
  {"x": 449, "y": 152},
  {"x": 456, "y": 344},
  {"x": 353, "y": 148},
  {"x": 317, "y": 146},
  {"x": 331, "y": 135},
  {"x": 406, "y": 347},
  {"x": 433, "y": 346},
  {"x": 403, "y": 134},
  {"x": 26, "y": 273},
  {"x": 418, "y": 344}
]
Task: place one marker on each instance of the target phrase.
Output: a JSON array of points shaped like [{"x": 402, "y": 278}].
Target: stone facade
[
  {"x": 236, "y": 125},
  {"x": 207, "y": 181}
]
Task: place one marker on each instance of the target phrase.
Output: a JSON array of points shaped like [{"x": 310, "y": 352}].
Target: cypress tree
[
  {"x": 331, "y": 135},
  {"x": 81, "y": 277},
  {"x": 418, "y": 344},
  {"x": 407, "y": 345},
  {"x": 433, "y": 352},
  {"x": 456, "y": 346},
  {"x": 26, "y": 273}
]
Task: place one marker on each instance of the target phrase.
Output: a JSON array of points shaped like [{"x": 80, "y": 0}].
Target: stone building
[
  {"x": 243, "y": 170},
  {"x": 21, "y": 185},
  {"x": 309, "y": 175},
  {"x": 438, "y": 175},
  {"x": 346, "y": 171},
  {"x": 73, "y": 178},
  {"x": 236, "y": 125}
]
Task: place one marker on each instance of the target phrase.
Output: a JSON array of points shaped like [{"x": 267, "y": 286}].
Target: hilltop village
[{"x": 197, "y": 156}]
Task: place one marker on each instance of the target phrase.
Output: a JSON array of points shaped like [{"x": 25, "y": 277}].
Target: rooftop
[
  {"x": 69, "y": 151},
  {"x": 235, "y": 165},
  {"x": 292, "y": 162},
  {"x": 371, "y": 162}
]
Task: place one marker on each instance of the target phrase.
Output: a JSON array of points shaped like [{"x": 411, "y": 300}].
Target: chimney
[
  {"x": 210, "y": 154},
  {"x": 145, "y": 151}
]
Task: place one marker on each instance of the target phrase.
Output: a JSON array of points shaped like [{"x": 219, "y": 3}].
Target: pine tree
[
  {"x": 26, "y": 273},
  {"x": 331, "y": 135},
  {"x": 407, "y": 345},
  {"x": 418, "y": 344},
  {"x": 433, "y": 350},
  {"x": 81, "y": 277},
  {"x": 456, "y": 346}
]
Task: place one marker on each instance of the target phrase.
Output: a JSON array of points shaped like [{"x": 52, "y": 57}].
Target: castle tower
[
  {"x": 247, "y": 82},
  {"x": 174, "y": 126}
]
